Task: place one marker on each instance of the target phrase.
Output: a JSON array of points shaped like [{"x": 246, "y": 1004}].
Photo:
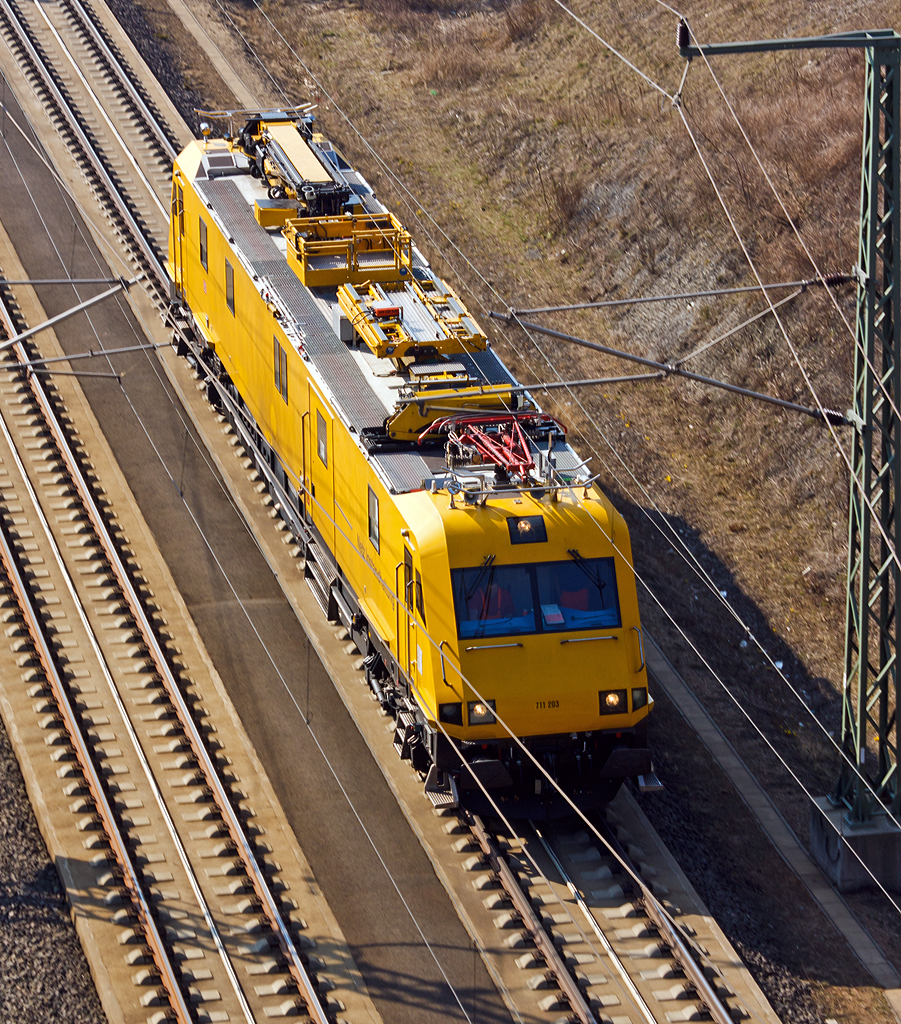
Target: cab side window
[
  {"x": 230, "y": 287},
  {"x": 321, "y": 438},
  {"x": 204, "y": 251},
  {"x": 374, "y": 518},
  {"x": 280, "y": 363},
  {"x": 420, "y": 603}
]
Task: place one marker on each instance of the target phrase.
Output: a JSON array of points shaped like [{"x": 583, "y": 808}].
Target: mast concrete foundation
[{"x": 836, "y": 844}]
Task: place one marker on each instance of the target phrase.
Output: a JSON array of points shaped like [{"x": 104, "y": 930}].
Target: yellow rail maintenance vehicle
[{"x": 443, "y": 517}]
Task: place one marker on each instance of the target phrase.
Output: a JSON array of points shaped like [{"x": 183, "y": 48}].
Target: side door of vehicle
[
  {"x": 178, "y": 235},
  {"x": 320, "y": 468}
]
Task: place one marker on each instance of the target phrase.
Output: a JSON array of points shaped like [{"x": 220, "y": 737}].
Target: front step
[
  {"x": 649, "y": 783},
  {"x": 404, "y": 730},
  {"x": 319, "y": 581},
  {"x": 441, "y": 789}
]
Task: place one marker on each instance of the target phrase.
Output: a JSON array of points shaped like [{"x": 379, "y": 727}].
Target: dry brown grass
[
  {"x": 524, "y": 19},
  {"x": 459, "y": 53}
]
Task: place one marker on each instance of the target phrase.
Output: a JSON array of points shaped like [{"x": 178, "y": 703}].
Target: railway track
[
  {"x": 189, "y": 879},
  {"x": 117, "y": 137},
  {"x": 143, "y": 743},
  {"x": 602, "y": 942},
  {"x": 586, "y": 929},
  {"x": 599, "y": 928}
]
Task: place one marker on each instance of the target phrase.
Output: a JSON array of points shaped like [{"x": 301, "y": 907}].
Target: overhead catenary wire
[
  {"x": 693, "y": 562},
  {"x": 732, "y": 331},
  {"x": 767, "y": 177},
  {"x": 641, "y": 74},
  {"x": 769, "y": 181},
  {"x": 857, "y": 483},
  {"x": 829, "y": 280},
  {"x": 705, "y": 577},
  {"x": 667, "y": 369},
  {"x": 743, "y": 710},
  {"x": 878, "y": 376},
  {"x": 371, "y": 147},
  {"x": 638, "y": 300},
  {"x": 405, "y": 190}
]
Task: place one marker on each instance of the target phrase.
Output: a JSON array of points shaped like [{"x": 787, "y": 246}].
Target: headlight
[
  {"x": 613, "y": 702},
  {"x": 451, "y": 714},
  {"x": 481, "y": 712},
  {"x": 639, "y": 697}
]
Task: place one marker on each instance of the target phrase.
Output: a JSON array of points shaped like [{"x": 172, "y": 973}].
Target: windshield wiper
[
  {"x": 483, "y": 568},
  {"x": 584, "y": 568}
]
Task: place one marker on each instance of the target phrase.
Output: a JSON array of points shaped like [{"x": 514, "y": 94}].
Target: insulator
[
  {"x": 831, "y": 280},
  {"x": 836, "y": 418},
  {"x": 683, "y": 37}
]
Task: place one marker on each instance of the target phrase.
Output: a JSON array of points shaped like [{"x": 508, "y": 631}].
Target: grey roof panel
[
  {"x": 406, "y": 470},
  {"x": 486, "y": 366},
  {"x": 327, "y": 352},
  {"x": 226, "y": 199},
  {"x": 353, "y": 395},
  {"x": 329, "y": 355}
]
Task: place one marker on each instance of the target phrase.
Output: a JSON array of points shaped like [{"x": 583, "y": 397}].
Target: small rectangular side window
[
  {"x": 321, "y": 438},
  {"x": 420, "y": 603},
  {"x": 408, "y": 578},
  {"x": 230, "y": 287},
  {"x": 204, "y": 253},
  {"x": 280, "y": 364},
  {"x": 374, "y": 519}
]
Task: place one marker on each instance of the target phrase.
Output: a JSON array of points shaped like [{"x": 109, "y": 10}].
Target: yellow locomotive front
[{"x": 528, "y": 612}]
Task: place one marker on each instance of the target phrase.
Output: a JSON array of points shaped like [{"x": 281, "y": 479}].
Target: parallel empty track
[
  {"x": 190, "y": 884},
  {"x": 112, "y": 129}
]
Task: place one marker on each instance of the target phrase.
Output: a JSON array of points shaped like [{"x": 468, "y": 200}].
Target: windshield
[{"x": 508, "y": 600}]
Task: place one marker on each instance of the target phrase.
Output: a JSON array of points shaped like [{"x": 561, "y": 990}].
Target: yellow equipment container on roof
[{"x": 297, "y": 151}]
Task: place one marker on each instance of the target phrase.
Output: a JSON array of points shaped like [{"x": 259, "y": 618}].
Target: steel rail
[
  {"x": 664, "y": 924},
  {"x": 669, "y": 933},
  {"x": 118, "y": 843},
  {"x": 125, "y": 79},
  {"x": 617, "y": 962},
  {"x": 543, "y": 942},
  {"x": 64, "y": 450},
  {"x": 140, "y": 900},
  {"x": 144, "y": 244},
  {"x": 315, "y": 1007},
  {"x": 76, "y": 67},
  {"x": 692, "y": 969}
]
